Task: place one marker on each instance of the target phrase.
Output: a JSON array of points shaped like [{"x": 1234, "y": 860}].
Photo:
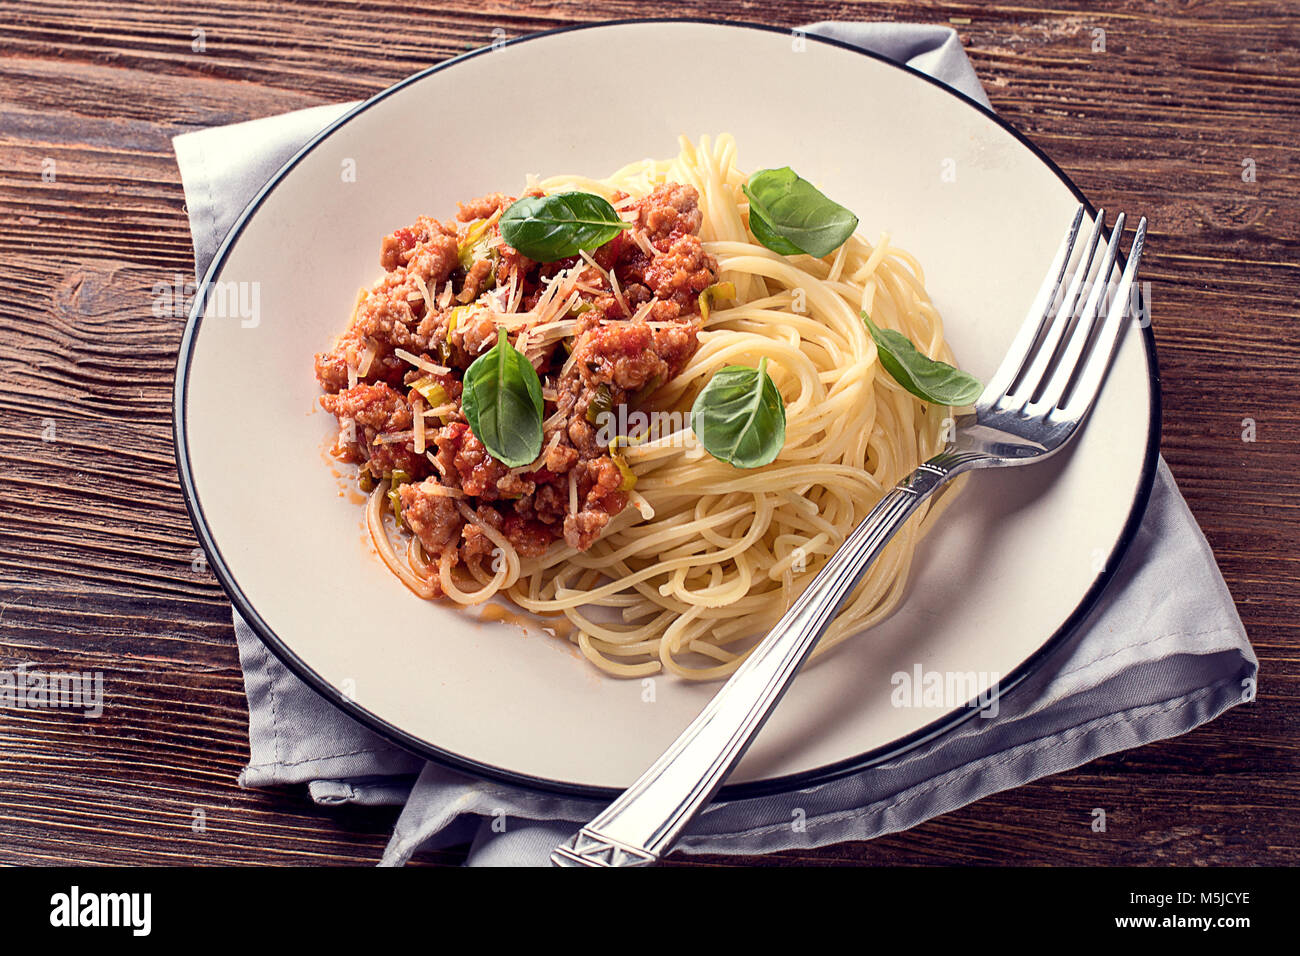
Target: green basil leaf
[
  {"x": 935, "y": 382},
  {"x": 766, "y": 234},
  {"x": 793, "y": 214},
  {"x": 547, "y": 228},
  {"x": 739, "y": 417},
  {"x": 502, "y": 401}
]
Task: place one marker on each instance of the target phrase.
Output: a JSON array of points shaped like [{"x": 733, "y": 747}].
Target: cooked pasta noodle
[{"x": 707, "y": 557}]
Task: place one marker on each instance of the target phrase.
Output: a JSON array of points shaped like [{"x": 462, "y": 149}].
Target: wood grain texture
[{"x": 97, "y": 560}]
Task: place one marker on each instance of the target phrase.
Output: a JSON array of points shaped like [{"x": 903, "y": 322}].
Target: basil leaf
[
  {"x": 794, "y": 216},
  {"x": 739, "y": 418},
  {"x": 935, "y": 382},
  {"x": 502, "y": 401},
  {"x": 547, "y": 228},
  {"x": 766, "y": 234}
]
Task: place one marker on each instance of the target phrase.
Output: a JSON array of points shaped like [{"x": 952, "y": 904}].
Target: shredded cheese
[
  {"x": 498, "y": 300},
  {"x": 424, "y": 289},
  {"x": 618, "y": 294},
  {"x": 442, "y": 491},
  {"x": 367, "y": 358},
  {"x": 557, "y": 293},
  {"x": 569, "y": 303},
  {"x": 417, "y": 421},
  {"x": 516, "y": 289},
  {"x": 539, "y": 311},
  {"x": 421, "y": 363},
  {"x": 596, "y": 265},
  {"x": 643, "y": 241},
  {"x": 560, "y": 328}
]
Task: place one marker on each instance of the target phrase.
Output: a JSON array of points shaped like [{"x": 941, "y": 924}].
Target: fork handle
[{"x": 641, "y": 825}]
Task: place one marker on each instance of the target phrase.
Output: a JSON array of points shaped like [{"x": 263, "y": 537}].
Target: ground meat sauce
[{"x": 444, "y": 287}]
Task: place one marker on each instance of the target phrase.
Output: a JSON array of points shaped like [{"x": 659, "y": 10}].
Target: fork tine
[
  {"x": 1073, "y": 355},
  {"x": 1041, "y": 359},
  {"x": 1005, "y": 376},
  {"x": 1098, "y": 361}
]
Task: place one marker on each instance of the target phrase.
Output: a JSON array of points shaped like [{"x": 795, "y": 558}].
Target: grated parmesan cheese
[
  {"x": 596, "y": 265},
  {"x": 421, "y": 363},
  {"x": 643, "y": 241},
  {"x": 424, "y": 290},
  {"x": 618, "y": 294},
  {"x": 367, "y": 358},
  {"x": 417, "y": 420},
  {"x": 442, "y": 491}
]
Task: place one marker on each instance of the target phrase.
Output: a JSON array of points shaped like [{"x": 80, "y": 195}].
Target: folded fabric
[{"x": 1162, "y": 652}]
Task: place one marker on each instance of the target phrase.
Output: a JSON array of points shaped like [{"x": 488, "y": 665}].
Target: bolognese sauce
[{"x": 603, "y": 329}]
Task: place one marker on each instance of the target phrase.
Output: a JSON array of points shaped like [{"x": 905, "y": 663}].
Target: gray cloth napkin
[{"x": 1161, "y": 653}]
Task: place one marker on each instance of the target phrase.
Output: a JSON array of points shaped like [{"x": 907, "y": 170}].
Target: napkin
[{"x": 1162, "y": 652}]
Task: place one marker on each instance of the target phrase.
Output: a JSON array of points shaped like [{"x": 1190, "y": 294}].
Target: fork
[{"x": 1030, "y": 409}]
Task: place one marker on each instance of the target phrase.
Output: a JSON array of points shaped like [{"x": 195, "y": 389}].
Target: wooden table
[{"x": 1190, "y": 113}]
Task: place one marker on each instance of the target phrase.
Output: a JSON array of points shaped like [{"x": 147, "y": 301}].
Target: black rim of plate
[{"x": 756, "y": 788}]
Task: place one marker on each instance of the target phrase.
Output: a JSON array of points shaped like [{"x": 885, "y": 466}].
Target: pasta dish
[{"x": 654, "y": 404}]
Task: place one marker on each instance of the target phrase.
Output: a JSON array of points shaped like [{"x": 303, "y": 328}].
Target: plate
[{"x": 1013, "y": 566}]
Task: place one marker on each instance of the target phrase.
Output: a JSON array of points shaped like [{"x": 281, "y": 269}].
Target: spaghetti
[{"x": 700, "y": 558}]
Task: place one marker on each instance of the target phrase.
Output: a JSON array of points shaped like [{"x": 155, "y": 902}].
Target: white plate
[{"x": 1014, "y": 565}]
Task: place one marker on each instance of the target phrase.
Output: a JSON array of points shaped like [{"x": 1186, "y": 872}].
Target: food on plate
[{"x": 654, "y": 403}]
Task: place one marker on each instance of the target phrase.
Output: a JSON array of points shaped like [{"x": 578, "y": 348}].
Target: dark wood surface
[{"x": 96, "y": 561}]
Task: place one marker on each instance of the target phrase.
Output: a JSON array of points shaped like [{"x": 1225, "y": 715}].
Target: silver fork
[{"x": 1031, "y": 408}]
